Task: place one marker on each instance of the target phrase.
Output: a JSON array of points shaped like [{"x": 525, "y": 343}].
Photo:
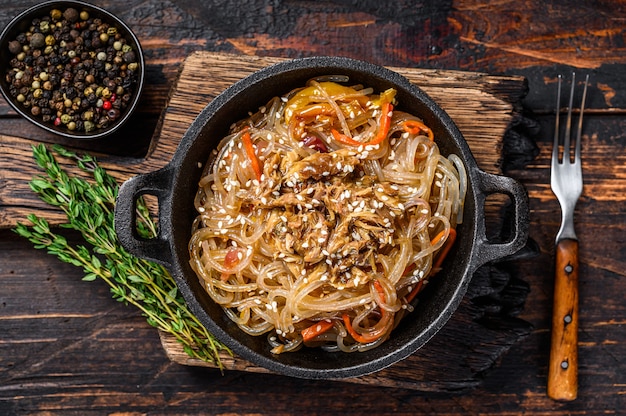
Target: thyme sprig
[{"x": 88, "y": 202}]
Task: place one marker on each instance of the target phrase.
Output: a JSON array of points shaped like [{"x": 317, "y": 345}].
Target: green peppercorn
[
  {"x": 20, "y": 98},
  {"x": 50, "y": 40},
  {"x": 88, "y": 91},
  {"x": 44, "y": 26},
  {"x": 48, "y": 50},
  {"x": 133, "y": 66},
  {"x": 66, "y": 118},
  {"x": 89, "y": 126},
  {"x": 38, "y": 93}
]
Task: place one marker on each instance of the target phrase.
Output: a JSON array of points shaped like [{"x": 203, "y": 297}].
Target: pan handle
[
  {"x": 498, "y": 184},
  {"x": 157, "y": 184}
]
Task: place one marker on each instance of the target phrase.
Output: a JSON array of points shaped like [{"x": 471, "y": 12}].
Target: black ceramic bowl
[
  {"x": 176, "y": 184},
  {"x": 21, "y": 24}
]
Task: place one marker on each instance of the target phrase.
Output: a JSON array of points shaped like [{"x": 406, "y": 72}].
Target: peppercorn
[
  {"x": 56, "y": 14},
  {"x": 37, "y": 40},
  {"x": 71, "y": 14},
  {"x": 15, "y": 47}
]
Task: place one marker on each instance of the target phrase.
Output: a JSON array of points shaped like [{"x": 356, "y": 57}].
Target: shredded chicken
[{"x": 326, "y": 213}]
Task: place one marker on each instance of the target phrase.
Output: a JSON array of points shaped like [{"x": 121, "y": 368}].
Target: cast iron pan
[{"x": 176, "y": 184}]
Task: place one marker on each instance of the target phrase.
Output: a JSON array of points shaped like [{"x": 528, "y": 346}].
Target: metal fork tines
[
  {"x": 566, "y": 177},
  {"x": 566, "y": 181}
]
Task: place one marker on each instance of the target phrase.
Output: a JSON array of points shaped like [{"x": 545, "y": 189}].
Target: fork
[{"x": 566, "y": 182}]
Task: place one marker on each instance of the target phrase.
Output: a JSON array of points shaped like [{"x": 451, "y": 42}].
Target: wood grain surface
[
  {"x": 67, "y": 349},
  {"x": 482, "y": 106}
]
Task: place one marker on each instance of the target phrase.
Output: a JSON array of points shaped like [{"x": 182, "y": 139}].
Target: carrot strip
[
  {"x": 340, "y": 137},
  {"x": 247, "y": 144},
  {"x": 318, "y": 328},
  {"x": 445, "y": 249},
  {"x": 385, "y": 317},
  {"x": 385, "y": 123},
  {"x": 417, "y": 289},
  {"x": 414, "y": 127}
]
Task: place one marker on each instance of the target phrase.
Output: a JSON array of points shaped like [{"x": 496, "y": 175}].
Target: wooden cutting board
[{"x": 483, "y": 107}]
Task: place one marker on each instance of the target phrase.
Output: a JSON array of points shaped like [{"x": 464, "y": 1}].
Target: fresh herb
[{"x": 88, "y": 201}]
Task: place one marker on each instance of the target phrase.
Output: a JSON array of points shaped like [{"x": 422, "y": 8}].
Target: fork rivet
[
  {"x": 569, "y": 268},
  {"x": 564, "y": 365}
]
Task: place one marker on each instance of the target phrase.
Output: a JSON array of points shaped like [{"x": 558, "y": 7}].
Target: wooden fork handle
[{"x": 563, "y": 368}]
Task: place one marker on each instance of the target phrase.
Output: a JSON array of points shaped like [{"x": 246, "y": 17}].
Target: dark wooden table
[{"x": 67, "y": 348}]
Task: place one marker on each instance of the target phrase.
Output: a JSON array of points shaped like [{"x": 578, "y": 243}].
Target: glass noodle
[{"x": 323, "y": 214}]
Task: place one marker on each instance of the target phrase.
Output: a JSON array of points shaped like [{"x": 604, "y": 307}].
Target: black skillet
[{"x": 176, "y": 184}]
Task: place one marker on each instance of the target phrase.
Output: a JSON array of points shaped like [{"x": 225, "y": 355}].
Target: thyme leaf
[{"x": 88, "y": 201}]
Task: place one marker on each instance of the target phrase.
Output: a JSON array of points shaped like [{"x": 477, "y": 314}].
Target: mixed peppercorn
[{"x": 73, "y": 71}]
